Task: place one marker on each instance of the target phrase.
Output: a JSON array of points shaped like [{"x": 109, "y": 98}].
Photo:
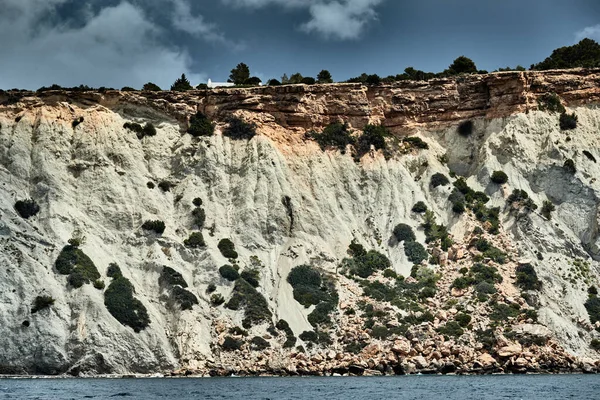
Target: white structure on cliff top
[{"x": 212, "y": 84}]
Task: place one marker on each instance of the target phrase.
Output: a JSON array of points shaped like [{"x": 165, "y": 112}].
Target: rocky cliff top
[{"x": 400, "y": 106}]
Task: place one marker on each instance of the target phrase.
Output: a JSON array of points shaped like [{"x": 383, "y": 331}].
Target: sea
[{"x": 526, "y": 387}]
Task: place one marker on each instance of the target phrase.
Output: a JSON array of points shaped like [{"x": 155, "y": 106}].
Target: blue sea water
[{"x": 526, "y": 387}]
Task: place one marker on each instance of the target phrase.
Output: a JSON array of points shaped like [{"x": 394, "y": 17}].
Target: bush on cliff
[
  {"x": 196, "y": 240},
  {"x": 568, "y": 121},
  {"x": 256, "y": 308},
  {"x": 550, "y": 102},
  {"x": 585, "y": 54},
  {"x": 334, "y": 135},
  {"x": 157, "y": 226},
  {"x": 527, "y": 278},
  {"x": 499, "y": 177},
  {"x": 239, "y": 129},
  {"x": 41, "y": 302},
  {"x": 229, "y": 272},
  {"x": 126, "y": 309},
  {"x": 439, "y": 179},
  {"x": 404, "y": 233},
  {"x": 373, "y": 135},
  {"x": 200, "y": 125},
  {"x": 227, "y": 249},
  {"x": 27, "y": 208},
  {"x": 75, "y": 263}
]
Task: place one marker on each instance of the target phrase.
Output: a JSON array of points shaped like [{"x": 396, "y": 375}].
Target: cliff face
[{"x": 284, "y": 202}]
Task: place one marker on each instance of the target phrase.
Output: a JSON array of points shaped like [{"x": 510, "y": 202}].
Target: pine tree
[
  {"x": 182, "y": 84},
  {"x": 324, "y": 77},
  {"x": 239, "y": 74}
]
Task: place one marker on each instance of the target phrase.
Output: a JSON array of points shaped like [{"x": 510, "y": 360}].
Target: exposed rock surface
[{"x": 285, "y": 202}]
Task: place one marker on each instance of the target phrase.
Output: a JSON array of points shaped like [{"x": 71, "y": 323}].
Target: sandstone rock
[
  {"x": 401, "y": 347},
  {"x": 420, "y": 362},
  {"x": 510, "y": 350}
]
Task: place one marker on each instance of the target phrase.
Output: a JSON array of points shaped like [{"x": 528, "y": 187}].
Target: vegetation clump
[
  {"x": 196, "y": 240},
  {"x": 229, "y": 272},
  {"x": 238, "y": 129},
  {"x": 77, "y": 265},
  {"x": 227, "y": 249},
  {"x": 592, "y": 305},
  {"x": 403, "y": 232},
  {"x": 199, "y": 216},
  {"x": 176, "y": 284},
  {"x": 311, "y": 288},
  {"x": 416, "y": 142},
  {"x": 139, "y": 130},
  {"x": 419, "y": 207},
  {"x": 200, "y": 125},
  {"x": 499, "y": 177},
  {"x": 569, "y": 166},
  {"x": 76, "y": 122},
  {"x": 550, "y": 102},
  {"x": 232, "y": 344},
  {"x": 181, "y": 84},
  {"x": 258, "y": 343},
  {"x": 256, "y": 308},
  {"x": 439, "y": 179},
  {"x": 465, "y": 128},
  {"x": 41, "y": 302},
  {"x": 334, "y": 135},
  {"x": 568, "y": 121},
  {"x": 170, "y": 277},
  {"x": 27, "y": 208},
  {"x": 365, "y": 263},
  {"x": 527, "y": 278},
  {"x": 120, "y": 302},
  {"x": 157, "y": 226},
  {"x": 373, "y": 135},
  {"x": 547, "y": 209},
  {"x": 585, "y": 54},
  {"x": 151, "y": 87}
]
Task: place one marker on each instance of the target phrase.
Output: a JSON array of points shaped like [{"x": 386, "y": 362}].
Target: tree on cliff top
[
  {"x": 239, "y": 74},
  {"x": 182, "y": 84},
  {"x": 585, "y": 54},
  {"x": 462, "y": 65},
  {"x": 324, "y": 77}
]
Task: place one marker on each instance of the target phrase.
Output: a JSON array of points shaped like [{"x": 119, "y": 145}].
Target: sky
[{"x": 116, "y": 43}]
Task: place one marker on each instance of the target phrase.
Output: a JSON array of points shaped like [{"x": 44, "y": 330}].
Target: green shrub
[
  {"x": 373, "y": 135},
  {"x": 527, "y": 278},
  {"x": 367, "y": 264},
  {"x": 229, "y": 272},
  {"x": 217, "y": 299},
  {"x": 307, "y": 80},
  {"x": 502, "y": 312},
  {"x": 499, "y": 177},
  {"x": 170, "y": 277},
  {"x": 126, "y": 309},
  {"x": 592, "y": 291},
  {"x": 404, "y": 233},
  {"x": 320, "y": 315},
  {"x": 334, "y": 135},
  {"x": 465, "y": 128},
  {"x": 76, "y": 122},
  {"x": 238, "y": 129},
  {"x": 259, "y": 344},
  {"x": 197, "y": 202},
  {"x": 463, "y": 319},
  {"x": 199, "y": 217},
  {"x": 356, "y": 249},
  {"x": 183, "y": 297},
  {"x": 200, "y": 125},
  {"x": 75, "y": 263},
  {"x": 419, "y": 207},
  {"x": 150, "y": 185},
  {"x": 41, "y": 302},
  {"x": 227, "y": 249},
  {"x": 547, "y": 208},
  {"x": 165, "y": 186},
  {"x": 99, "y": 284},
  {"x": 309, "y": 336},
  {"x": 567, "y": 121},
  {"x": 251, "y": 276},
  {"x": 256, "y": 308},
  {"x": 390, "y": 273},
  {"x": 585, "y": 54},
  {"x": 157, "y": 226},
  {"x": 415, "y": 252},
  {"x": 592, "y": 305},
  {"x": 416, "y": 142},
  {"x": 451, "y": 329},
  {"x": 550, "y": 102},
  {"x": 149, "y": 130},
  {"x": 290, "y": 341},
  {"x": 27, "y": 208},
  {"x": 439, "y": 179},
  {"x": 595, "y": 344},
  {"x": 195, "y": 240},
  {"x": 151, "y": 87},
  {"x": 231, "y": 344},
  {"x": 490, "y": 251},
  {"x": 481, "y": 272},
  {"x": 461, "y": 283},
  {"x": 304, "y": 275},
  {"x": 113, "y": 270},
  {"x": 569, "y": 166},
  {"x": 427, "y": 292},
  {"x": 181, "y": 84}
]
